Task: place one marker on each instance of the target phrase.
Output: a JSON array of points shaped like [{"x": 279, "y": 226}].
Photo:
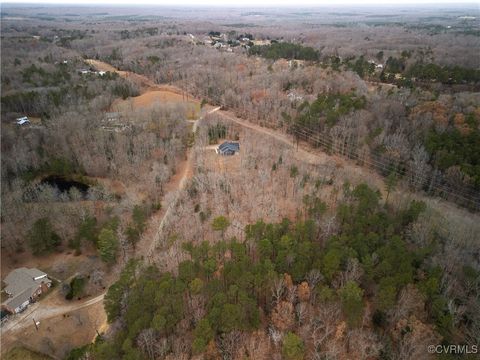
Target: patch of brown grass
[{"x": 21, "y": 353}]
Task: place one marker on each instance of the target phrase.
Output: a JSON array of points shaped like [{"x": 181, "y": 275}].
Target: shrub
[
  {"x": 77, "y": 286},
  {"x": 293, "y": 348}
]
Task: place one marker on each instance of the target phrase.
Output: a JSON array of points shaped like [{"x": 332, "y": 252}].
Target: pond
[{"x": 64, "y": 185}]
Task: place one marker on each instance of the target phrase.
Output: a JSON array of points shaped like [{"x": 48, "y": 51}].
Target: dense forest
[{"x": 372, "y": 274}]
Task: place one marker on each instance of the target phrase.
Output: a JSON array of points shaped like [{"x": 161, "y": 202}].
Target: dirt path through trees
[
  {"x": 301, "y": 152},
  {"x": 43, "y": 310},
  {"x": 144, "y": 83},
  {"x": 150, "y": 239},
  {"x": 151, "y": 91},
  {"x": 305, "y": 153}
]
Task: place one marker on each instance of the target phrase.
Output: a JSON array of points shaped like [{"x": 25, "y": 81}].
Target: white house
[
  {"x": 293, "y": 96},
  {"x": 22, "y": 120}
]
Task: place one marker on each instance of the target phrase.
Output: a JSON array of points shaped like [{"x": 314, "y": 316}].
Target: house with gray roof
[
  {"x": 24, "y": 286},
  {"x": 228, "y": 148}
]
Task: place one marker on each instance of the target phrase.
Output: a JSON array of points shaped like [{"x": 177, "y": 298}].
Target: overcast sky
[{"x": 244, "y": 3}]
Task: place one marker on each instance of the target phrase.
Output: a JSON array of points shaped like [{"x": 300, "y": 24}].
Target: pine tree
[
  {"x": 42, "y": 238},
  {"x": 220, "y": 223},
  {"x": 107, "y": 245}
]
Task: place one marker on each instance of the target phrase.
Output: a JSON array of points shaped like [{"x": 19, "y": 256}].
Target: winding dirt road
[
  {"x": 144, "y": 83},
  {"x": 301, "y": 154},
  {"x": 43, "y": 310},
  {"x": 180, "y": 184},
  {"x": 147, "y": 245}
]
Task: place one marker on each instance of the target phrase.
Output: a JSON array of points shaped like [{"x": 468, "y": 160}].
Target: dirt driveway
[
  {"x": 47, "y": 312},
  {"x": 151, "y": 236},
  {"x": 142, "y": 81},
  {"x": 305, "y": 153}
]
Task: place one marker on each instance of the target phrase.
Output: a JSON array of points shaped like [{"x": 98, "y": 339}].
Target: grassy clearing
[
  {"x": 154, "y": 98},
  {"x": 21, "y": 353}
]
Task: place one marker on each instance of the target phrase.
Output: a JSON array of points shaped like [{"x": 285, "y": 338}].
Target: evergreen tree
[
  {"x": 220, "y": 223},
  {"x": 42, "y": 238},
  {"x": 293, "y": 348},
  {"x": 352, "y": 302},
  {"x": 203, "y": 334},
  {"x": 107, "y": 245},
  {"x": 390, "y": 184}
]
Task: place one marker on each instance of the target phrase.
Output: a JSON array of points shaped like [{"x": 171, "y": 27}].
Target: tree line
[{"x": 285, "y": 50}]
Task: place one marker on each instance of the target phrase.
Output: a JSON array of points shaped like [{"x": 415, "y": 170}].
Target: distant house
[
  {"x": 228, "y": 148},
  {"x": 261, "y": 42},
  {"x": 113, "y": 122},
  {"x": 91, "y": 71},
  {"x": 22, "y": 120},
  {"x": 296, "y": 63},
  {"x": 24, "y": 286},
  {"x": 293, "y": 96},
  {"x": 112, "y": 116}
]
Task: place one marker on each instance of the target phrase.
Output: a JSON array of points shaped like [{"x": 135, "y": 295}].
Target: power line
[
  {"x": 466, "y": 198},
  {"x": 328, "y": 143}
]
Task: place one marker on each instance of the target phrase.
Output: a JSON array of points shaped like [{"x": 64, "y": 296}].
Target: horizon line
[{"x": 300, "y": 4}]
